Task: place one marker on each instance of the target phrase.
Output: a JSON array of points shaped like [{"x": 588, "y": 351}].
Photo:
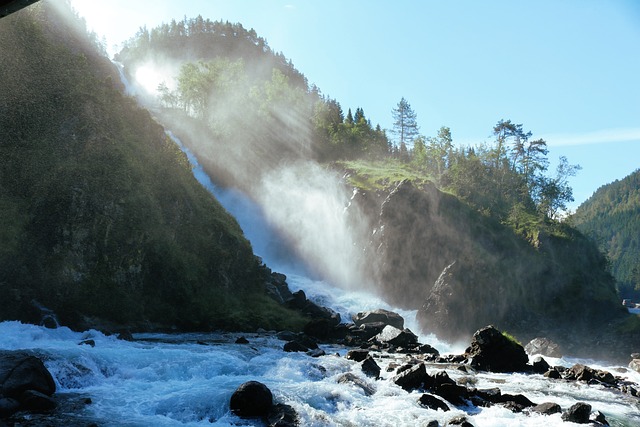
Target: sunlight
[{"x": 148, "y": 77}]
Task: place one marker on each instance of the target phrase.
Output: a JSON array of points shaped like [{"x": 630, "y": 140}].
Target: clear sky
[{"x": 568, "y": 70}]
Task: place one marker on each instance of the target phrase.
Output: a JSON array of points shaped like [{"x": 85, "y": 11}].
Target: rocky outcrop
[{"x": 463, "y": 270}]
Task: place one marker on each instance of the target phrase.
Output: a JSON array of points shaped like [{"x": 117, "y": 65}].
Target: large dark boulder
[
  {"x": 251, "y": 399},
  {"x": 547, "y": 408},
  {"x": 20, "y": 372},
  {"x": 413, "y": 378},
  {"x": 432, "y": 402},
  {"x": 380, "y": 315},
  {"x": 578, "y": 413},
  {"x": 492, "y": 351},
  {"x": 370, "y": 368}
]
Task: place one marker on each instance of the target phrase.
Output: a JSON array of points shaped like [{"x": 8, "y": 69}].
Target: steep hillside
[
  {"x": 611, "y": 216},
  {"x": 100, "y": 215}
]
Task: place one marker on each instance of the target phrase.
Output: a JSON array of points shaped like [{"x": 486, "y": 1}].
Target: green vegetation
[
  {"x": 611, "y": 216},
  {"x": 100, "y": 213}
]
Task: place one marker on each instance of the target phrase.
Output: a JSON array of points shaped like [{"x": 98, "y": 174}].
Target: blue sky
[{"x": 568, "y": 70}]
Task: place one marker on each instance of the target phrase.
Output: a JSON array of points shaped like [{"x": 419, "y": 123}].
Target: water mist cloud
[{"x": 310, "y": 205}]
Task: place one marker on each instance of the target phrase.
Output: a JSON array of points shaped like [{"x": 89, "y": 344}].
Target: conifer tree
[{"x": 405, "y": 125}]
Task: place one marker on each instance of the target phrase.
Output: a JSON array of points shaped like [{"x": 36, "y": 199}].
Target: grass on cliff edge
[{"x": 379, "y": 174}]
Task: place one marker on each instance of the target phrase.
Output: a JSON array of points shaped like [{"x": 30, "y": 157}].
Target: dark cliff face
[{"x": 464, "y": 270}]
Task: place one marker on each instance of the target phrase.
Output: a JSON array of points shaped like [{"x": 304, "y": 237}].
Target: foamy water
[{"x": 188, "y": 379}]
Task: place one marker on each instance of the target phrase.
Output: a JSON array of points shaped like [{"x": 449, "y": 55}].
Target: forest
[{"x": 611, "y": 216}]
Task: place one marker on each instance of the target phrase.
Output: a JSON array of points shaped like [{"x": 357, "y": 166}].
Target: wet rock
[
  {"x": 598, "y": 418},
  {"x": 370, "y": 368},
  {"x": 295, "y": 346},
  {"x": 635, "y": 364},
  {"x": 396, "y": 337},
  {"x": 540, "y": 365},
  {"x": 242, "y": 340},
  {"x": 491, "y": 351},
  {"x": 358, "y": 354},
  {"x": 543, "y": 346},
  {"x": 427, "y": 349},
  {"x": 412, "y": 378},
  {"x": 349, "y": 378},
  {"x": 459, "y": 421},
  {"x": 316, "y": 352},
  {"x": 20, "y": 372},
  {"x": 578, "y": 413},
  {"x": 547, "y": 408},
  {"x": 281, "y": 415},
  {"x": 125, "y": 336},
  {"x": 432, "y": 402},
  {"x": 553, "y": 374},
  {"x": 586, "y": 374},
  {"x": 251, "y": 399},
  {"x": 379, "y": 316},
  {"x": 90, "y": 343},
  {"x": 34, "y": 401}
]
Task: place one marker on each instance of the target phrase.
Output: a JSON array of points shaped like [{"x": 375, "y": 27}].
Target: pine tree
[{"x": 405, "y": 126}]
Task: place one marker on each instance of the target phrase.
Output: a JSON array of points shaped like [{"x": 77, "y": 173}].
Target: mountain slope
[
  {"x": 101, "y": 216},
  {"x": 611, "y": 216}
]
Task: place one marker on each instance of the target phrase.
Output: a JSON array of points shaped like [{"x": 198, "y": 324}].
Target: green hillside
[
  {"x": 611, "y": 216},
  {"x": 100, "y": 215}
]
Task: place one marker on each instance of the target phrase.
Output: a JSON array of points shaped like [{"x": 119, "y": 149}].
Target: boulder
[
  {"x": 295, "y": 346},
  {"x": 251, "y": 399},
  {"x": 492, "y": 351},
  {"x": 544, "y": 347},
  {"x": 445, "y": 387},
  {"x": 578, "y": 413},
  {"x": 460, "y": 420},
  {"x": 547, "y": 408},
  {"x": 242, "y": 340},
  {"x": 396, "y": 337},
  {"x": 349, "y": 378},
  {"x": 370, "y": 368},
  {"x": 281, "y": 415},
  {"x": 540, "y": 366},
  {"x": 20, "y": 372},
  {"x": 413, "y": 378},
  {"x": 432, "y": 402},
  {"x": 357, "y": 355},
  {"x": 635, "y": 364},
  {"x": 383, "y": 316},
  {"x": 584, "y": 373}
]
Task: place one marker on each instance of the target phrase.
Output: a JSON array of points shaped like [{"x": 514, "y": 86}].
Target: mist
[{"x": 297, "y": 213}]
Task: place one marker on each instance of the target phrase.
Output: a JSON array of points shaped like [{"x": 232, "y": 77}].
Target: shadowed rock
[{"x": 251, "y": 399}]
